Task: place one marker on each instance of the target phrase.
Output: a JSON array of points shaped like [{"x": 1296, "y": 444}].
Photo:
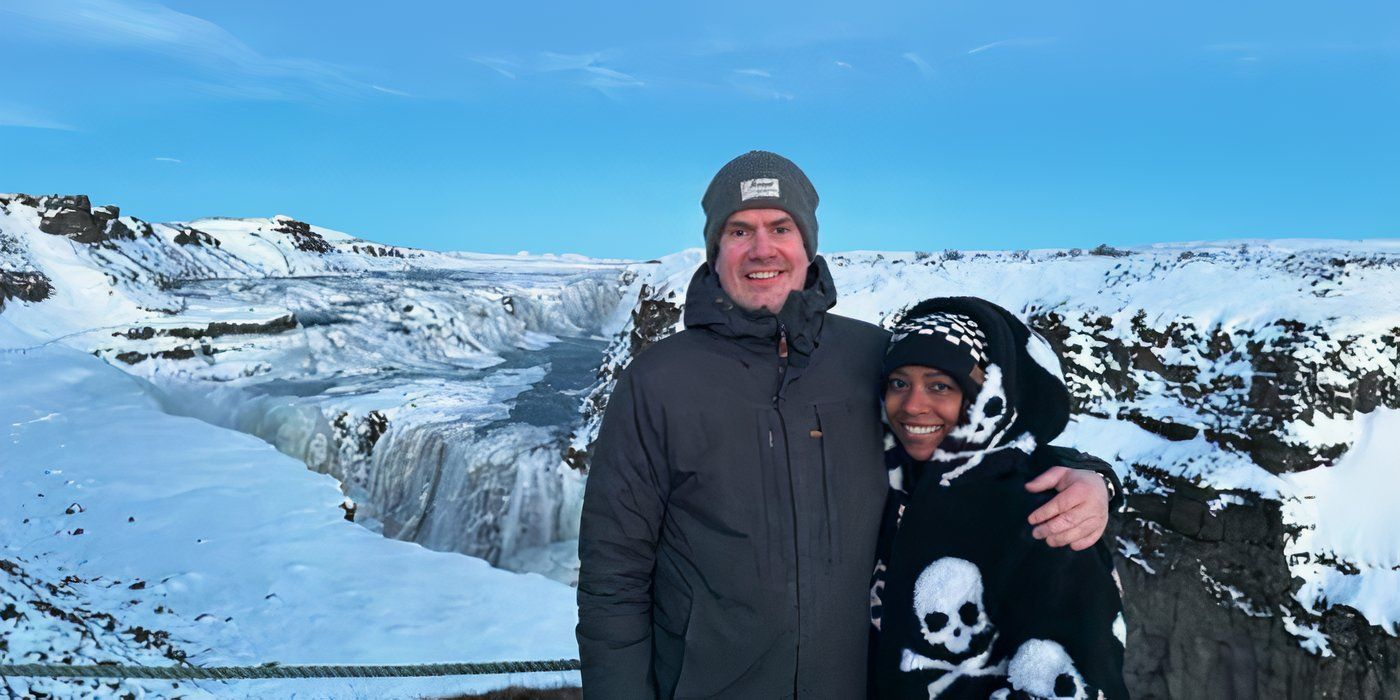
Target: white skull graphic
[
  {"x": 1043, "y": 669},
  {"x": 948, "y": 604}
]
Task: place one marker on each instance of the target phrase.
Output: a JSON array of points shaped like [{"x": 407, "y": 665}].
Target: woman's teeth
[{"x": 922, "y": 429}]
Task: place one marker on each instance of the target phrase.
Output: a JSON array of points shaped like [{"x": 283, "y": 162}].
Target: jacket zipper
[{"x": 797, "y": 559}]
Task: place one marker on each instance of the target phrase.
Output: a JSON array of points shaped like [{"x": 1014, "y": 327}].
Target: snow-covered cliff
[{"x": 1248, "y": 393}]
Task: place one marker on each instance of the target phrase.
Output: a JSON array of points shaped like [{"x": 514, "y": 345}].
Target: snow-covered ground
[
  {"x": 238, "y": 552},
  {"x": 168, "y": 396},
  {"x": 161, "y": 537}
]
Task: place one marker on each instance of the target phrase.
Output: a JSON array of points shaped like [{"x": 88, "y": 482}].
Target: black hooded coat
[{"x": 966, "y": 603}]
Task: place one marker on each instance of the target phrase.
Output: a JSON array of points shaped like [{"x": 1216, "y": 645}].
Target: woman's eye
[{"x": 897, "y": 384}]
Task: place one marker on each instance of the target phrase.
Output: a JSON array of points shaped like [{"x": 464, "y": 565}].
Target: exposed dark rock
[
  {"x": 281, "y": 324},
  {"x": 652, "y": 320},
  {"x": 25, "y": 286},
  {"x": 184, "y": 352},
  {"x": 196, "y": 237},
  {"x": 142, "y": 333},
  {"x": 1107, "y": 250},
  {"x": 19, "y": 198},
  {"x": 1206, "y": 622},
  {"x": 1167, "y": 429},
  {"x": 302, "y": 236},
  {"x": 377, "y": 251},
  {"x": 70, "y": 216},
  {"x": 131, "y": 357}
]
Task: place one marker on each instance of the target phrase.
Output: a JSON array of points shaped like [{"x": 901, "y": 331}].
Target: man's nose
[{"x": 762, "y": 245}]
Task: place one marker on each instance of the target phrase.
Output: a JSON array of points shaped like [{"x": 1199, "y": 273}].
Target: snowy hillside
[
  {"x": 163, "y": 539},
  {"x": 1248, "y": 392}
]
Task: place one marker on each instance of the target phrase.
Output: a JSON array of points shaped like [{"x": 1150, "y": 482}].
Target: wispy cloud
[
  {"x": 24, "y": 117},
  {"x": 1007, "y": 43},
  {"x": 588, "y": 66},
  {"x": 843, "y": 64},
  {"x": 198, "y": 43},
  {"x": 920, "y": 63},
  {"x": 389, "y": 91},
  {"x": 166, "y": 159},
  {"x": 758, "y": 83},
  {"x": 503, "y": 67},
  {"x": 586, "y": 69}
]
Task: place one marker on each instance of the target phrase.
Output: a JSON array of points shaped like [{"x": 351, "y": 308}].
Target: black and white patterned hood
[{"x": 1022, "y": 400}]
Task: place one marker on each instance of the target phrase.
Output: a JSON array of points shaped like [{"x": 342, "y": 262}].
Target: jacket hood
[
  {"x": 1022, "y": 402},
  {"x": 708, "y": 306}
]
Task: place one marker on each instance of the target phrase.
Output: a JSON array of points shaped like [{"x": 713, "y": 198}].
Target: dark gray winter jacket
[{"x": 732, "y": 506}]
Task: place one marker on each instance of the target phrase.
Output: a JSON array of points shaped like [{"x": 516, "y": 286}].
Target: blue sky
[{"x": 594, "y": 127}]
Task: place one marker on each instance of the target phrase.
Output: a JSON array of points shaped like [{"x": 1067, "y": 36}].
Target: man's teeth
[
  {"x": 922, "y": 429},
  {"x": 763, "y": 275}
]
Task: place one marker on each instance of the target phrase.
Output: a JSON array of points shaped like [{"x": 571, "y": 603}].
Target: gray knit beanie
[{"x": 760, "y": 180}]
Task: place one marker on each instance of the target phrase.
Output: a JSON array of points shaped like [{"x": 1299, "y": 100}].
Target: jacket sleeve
[
  {"x": 1064, "y": 625},
  {"x": 1048, "y": 456},
  {"x": 623, "y": 505}
]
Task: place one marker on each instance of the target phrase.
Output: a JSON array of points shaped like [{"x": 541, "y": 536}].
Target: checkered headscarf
[{"x": 949, "y": 341}]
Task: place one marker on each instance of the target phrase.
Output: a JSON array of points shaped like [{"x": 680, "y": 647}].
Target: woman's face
[{"x": 923, "y": 404}]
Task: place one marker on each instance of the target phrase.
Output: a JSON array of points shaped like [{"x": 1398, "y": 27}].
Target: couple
[{"x": 742, "y": 488}]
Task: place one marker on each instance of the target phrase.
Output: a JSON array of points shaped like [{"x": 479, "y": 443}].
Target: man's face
[{"x": 761, "y": 258}]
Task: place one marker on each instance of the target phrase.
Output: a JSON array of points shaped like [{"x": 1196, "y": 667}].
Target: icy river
[{"x": 442, "y": 400}]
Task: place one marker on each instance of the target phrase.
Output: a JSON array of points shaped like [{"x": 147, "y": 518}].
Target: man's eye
[
  {"x": 782, "y": 229},
  {"x": 737, "y": 232}
]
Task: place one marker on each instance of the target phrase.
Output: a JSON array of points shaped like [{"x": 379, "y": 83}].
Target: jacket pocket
[
  {"x": 670, "y": 622},
  {"x": 854, "y": 480}
]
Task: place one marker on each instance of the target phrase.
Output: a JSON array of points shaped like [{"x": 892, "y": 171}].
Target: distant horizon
[
  {"x": 1386, "y": 241},
  {"x": 595, "y": 129}
]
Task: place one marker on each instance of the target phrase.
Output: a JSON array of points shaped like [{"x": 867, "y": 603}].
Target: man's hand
[{"x": 1077, "y": 515}]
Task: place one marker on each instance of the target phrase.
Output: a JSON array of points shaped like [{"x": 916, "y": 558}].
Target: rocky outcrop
[
  {"x": 73, "y": 216},
  {"x": 1208, "y": 601},
  {"x": 24, "y": 286},
  {"x": 1278, "y": 377},
  {"x": 302, "y": 236},
  {"x": 377, "y": 251},
  {"x": 195, "y": 237},
  {"x": 54, "y": 622},
  {"x": 655, "y": 316}
]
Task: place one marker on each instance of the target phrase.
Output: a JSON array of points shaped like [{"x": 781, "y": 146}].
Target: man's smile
[{"x": 761, "y": 275}]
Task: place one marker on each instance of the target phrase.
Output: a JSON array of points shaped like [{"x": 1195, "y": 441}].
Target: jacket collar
[{"x": 708, "y": 306}]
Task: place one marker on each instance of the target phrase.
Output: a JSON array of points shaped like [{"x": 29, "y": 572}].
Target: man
[{"x": 736, "y": 488}]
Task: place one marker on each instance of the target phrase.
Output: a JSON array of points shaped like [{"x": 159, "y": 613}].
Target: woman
[{"x": 966, "y": 603}]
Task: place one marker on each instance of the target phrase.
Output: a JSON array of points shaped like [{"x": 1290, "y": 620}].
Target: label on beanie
[{"x": 761, "y": 187}]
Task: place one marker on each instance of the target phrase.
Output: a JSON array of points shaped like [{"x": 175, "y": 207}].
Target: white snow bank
[
  {"x": 245, "y": 550},
  {"x": 1349, "y": 513}
]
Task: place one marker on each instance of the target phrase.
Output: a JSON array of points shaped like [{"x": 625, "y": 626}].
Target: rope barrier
[{"x": 227, "y": 673}]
